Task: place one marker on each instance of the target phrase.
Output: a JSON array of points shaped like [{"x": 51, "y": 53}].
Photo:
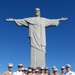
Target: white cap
[
  {"x": 42, "y": 68},
  {"x": 30, "y": 70},
  {"x": 36, "y": 70},
  {"x": 68, "y": 65},
  {"x": 55, "y": 70},
  {"x": 62, "y": 67},
  {"x": 53, "y": 67},
  {"x": 10, "y": 65},
  {"x": 26, "y": 68},
  {"x": 20, "y": 65}
]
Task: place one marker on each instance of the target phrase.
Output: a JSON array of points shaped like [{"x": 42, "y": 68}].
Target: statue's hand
[
  {"x": 10, "y": 19},
  {"x": 61, "y": 19}
]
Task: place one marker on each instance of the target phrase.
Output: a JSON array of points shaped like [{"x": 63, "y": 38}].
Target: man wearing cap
[
  {"x": 36, "y": 72},
  {"x": 47, "y": 71},
  {"x": 53, "y": 70},
  {"x": 62, "y": 70},
  {"x": 26, "y": 71},
  {"x": 30, "y": 72},
  {"x": 23, "y": 69},
  {"x": 33, "y": 71},
  {"x": 68, "y": 71},
  {"x": 42, "y": 71},
  {"x": 19, "y": 72},
  {"x": 9, "y": 72}
]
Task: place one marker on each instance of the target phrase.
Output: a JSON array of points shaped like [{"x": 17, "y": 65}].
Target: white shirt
[
  {"x": 69, "y": 73},
  {"x": 18, "y": 73}
]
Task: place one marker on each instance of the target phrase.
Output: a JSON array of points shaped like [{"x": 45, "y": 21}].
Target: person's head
[
  {"x": 63, "y": 69},
  {"x": 68, "y": 66},
  {"x": 26, "y": 70},
  {"x": 36, "y": 71},
  {"x": 20, "y": 67},
  {"x": 33, "y": 70},
  {"x": 54, "y": 67},
  {"x": 10, "y": 67},
  {"x": 55, "y": 71},
  {"x": 30, "y": 71},
  {"x": 37, "y": 12},
  {"x": 46, "y": 70},
  {"x": 23, "y": 69},
  {"x": 42, "y": 70}
]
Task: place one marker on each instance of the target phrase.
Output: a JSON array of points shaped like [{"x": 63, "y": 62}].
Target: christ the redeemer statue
[{"x": 37, "y": 35}]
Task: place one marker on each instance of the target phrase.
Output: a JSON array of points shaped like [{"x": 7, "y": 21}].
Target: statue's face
[{"x": 37, "y": 12}]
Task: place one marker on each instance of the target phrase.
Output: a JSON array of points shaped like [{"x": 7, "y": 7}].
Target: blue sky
[{"x": 14, "y": 41}]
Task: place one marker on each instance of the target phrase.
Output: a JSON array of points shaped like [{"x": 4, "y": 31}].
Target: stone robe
[{"x": 37, "y": 37}]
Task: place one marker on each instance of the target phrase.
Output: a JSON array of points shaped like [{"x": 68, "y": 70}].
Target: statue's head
[{"x": 37, "y": 12}]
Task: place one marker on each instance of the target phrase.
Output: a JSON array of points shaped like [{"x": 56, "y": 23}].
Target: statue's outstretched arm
[
  {"x": 10, "y": 19},
  {"x": 62, "y": 19},
  {"x": 19, "y": 22},
  {"x": 54, "y": 22}
]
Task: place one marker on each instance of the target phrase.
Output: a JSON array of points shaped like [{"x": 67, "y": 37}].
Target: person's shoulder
[
  {"x": 51, "y": 74},
  {"x": 39, "y": 74},
  {"x": 14, "y": 73},
  {"x": 47, "y": 74},
  {"x": 23, "y": 73},
  {"x": 65, "y": 72},
  {"x": 30, "y": 74},
  {"x": 72, "y": 72},
  {"x": 61, "y": 74},
  {"x": 4, "y": 73}
]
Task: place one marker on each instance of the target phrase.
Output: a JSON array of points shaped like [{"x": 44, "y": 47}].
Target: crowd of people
[{"x": 38, "y": 71}]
